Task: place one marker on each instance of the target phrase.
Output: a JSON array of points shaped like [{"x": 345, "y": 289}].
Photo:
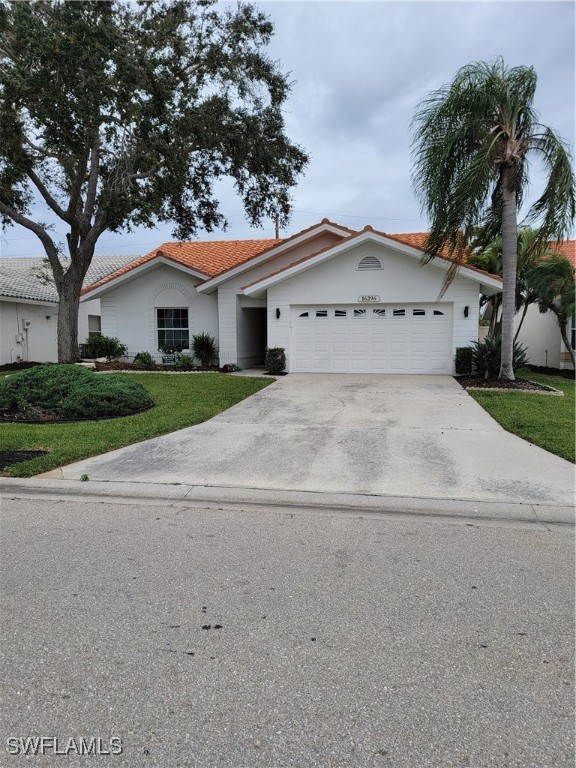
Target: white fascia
[
  {"x": 138, "y": 272},
  {"x": 210, "y": 285},
  {"x": 38, "y": 302},
  {"x": 493, "y": 284}
]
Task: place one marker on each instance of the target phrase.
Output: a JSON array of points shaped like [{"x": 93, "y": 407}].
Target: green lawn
[
  {"x": 541, "y": 419},
  {"x": 181, "y": 401}
]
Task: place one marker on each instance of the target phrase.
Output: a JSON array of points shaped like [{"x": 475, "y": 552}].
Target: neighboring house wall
[
  {"x": 129, "y": 310},
  {"x": 540, "y": 335},
  {"x": 403, "y": 279},
  {"x": 235, "y": 345},
  {"x": 34, "y": 325},
  {"x": 87, "y": 309}
]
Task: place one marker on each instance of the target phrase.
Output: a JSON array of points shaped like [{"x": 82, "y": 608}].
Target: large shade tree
[
  {"x": 473, "y": 139},
  {"x": 117, "y": 115}
]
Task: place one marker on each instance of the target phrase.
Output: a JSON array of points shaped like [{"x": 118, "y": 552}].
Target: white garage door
[{"x": 383, "y": 338}]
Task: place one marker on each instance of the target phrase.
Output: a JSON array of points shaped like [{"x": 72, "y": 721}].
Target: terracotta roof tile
[
  {"x": 412, "y": 239},
  {"x": 209, "y": 257},
  {"x": 566, "y": 248}
]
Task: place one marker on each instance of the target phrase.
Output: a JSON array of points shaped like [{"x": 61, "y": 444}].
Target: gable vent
[{"x": 370, "y": 262}]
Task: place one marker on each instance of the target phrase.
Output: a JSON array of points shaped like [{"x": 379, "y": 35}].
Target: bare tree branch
[
  {"x": 43, "y": 236},
  {"x": 50, "y": 201},
  {"x": 92, "y": 181}
]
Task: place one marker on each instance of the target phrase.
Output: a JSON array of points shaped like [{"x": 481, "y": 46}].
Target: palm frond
[{"x": 556, "y": 207}]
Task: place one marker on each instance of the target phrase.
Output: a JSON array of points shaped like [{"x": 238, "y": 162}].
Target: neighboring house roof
[
  {"x": 209, "y": 257},
  {"x": 16, "y": 284},
  {"x": 568, "y": 249},
  {"x": 28, "y": 277}
]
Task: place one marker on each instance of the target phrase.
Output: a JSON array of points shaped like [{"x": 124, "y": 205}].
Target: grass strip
[{"x": 181, "y": 401}]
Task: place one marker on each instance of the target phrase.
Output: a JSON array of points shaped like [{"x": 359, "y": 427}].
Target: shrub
[
  {"x": 486, "y": 357},
  {"x": 105, "y": 346},
  {"x": 463, "y": 363},
  {"x": 204, "y": 348},
  {"x": 145, "y": 360},
  {"x": 275, "y": 360},
  {"x": 185, "y": 363},
  {"x": 70, "y": 392}
]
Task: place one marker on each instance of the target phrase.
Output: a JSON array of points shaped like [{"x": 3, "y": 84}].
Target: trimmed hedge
[
  {"x": 275, "y": 360},
  {"x": 70, "y": 392},
  {"x": 464, "y": 359}
]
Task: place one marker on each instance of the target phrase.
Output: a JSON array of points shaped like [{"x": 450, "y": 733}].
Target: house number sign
[{"x": 368, "y": 298}]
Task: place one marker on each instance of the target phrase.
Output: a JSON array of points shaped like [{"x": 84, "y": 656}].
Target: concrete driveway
[{"x": 413, "y": 436}]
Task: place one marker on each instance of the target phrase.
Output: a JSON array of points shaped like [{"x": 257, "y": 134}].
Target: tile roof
[
  {"x": 36, "y": 267},
  {"x": 212, "y": 257},
  {"x": 412, "y": 239},
  {"x": 17, "y": 284},
  {"x": 566, "y": 248},
  {"x": 209, "y": 257}
]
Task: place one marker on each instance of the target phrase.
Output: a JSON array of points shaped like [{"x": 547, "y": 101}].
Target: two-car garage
[{"x": 372, "y": 338}]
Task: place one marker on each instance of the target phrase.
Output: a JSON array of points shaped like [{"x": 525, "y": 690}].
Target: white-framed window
[{"x": 172, "y": 328}]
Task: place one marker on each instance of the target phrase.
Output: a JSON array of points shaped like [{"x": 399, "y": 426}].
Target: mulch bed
[
  {"x": 50, "y": 417},
  {"x": 7, "y": 458},
  {"x": 518, "y": 384}
]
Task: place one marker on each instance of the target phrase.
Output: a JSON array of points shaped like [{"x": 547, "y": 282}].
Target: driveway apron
[{"x": 415, "y": 436}]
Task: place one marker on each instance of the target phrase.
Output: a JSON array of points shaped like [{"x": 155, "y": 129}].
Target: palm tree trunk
[
  {"x": 566, "y": 340},
  {"x": 509, "y": 259},
  {"x": 521, "y": 321},
  {"x": 494, "y": 317}
]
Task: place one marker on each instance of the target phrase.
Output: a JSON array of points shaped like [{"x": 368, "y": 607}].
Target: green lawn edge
[
  {"x": 547, "y": 421},
  {"x": 181, "y": 401}
]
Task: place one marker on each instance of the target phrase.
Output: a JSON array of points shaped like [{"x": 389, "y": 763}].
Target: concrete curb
[{"x": 453, "y": 510}]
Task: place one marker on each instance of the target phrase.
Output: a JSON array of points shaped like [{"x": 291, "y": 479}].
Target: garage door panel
[{"x": 372, "y": 339}]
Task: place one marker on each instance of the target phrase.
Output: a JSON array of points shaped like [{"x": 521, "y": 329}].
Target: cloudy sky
[{"x": 359, "y": 71}]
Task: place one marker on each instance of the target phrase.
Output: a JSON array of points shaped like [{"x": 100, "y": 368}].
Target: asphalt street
[{"x": 218, "y": 638}]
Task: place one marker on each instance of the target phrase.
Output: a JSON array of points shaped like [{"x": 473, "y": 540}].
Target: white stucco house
[
  {"x": 337, "y": 300},
  {"x": 29, "y": 307},
  {"x": 540, "y": 333}
]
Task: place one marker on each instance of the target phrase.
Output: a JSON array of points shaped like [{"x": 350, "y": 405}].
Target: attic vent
[{"x": 370, "y": 262}]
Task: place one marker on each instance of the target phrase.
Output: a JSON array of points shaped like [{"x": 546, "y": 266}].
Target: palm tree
[
  {"x": 472, "y": 142},
  {"x": 552, "y": 281},
  {"x": 490, "y": 259}
]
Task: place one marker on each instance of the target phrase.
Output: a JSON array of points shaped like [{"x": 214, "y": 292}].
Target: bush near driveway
[
  {"x": 543, "y": 420},
  {"x": 51, "y": 392},
  {"x": 181, "y": 401}
]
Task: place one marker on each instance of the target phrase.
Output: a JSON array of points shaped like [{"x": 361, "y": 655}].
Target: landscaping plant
[
  {"x": 105, "y": 346},
  {"x": 463, "y": 363},
  {"x": 275, "y": 360},
  {"x": 145, "y": 360},
  {"x": 52, "y": 392},
  {"x": 204, "y": 348},
  {"x": 486, "y": 356}
]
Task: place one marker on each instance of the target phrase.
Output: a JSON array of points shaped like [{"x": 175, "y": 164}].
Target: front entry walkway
[{"x": 413, "y": 436}]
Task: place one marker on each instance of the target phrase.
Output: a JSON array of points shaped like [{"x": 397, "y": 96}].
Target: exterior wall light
[
  {"x": 465, "y": 311},
  {"x": 277, "y": 313}
]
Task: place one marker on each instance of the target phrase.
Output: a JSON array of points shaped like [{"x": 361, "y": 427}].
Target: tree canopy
[
  {"x": 120, "y": 114},
  {"x": 473, "y": 140}
]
